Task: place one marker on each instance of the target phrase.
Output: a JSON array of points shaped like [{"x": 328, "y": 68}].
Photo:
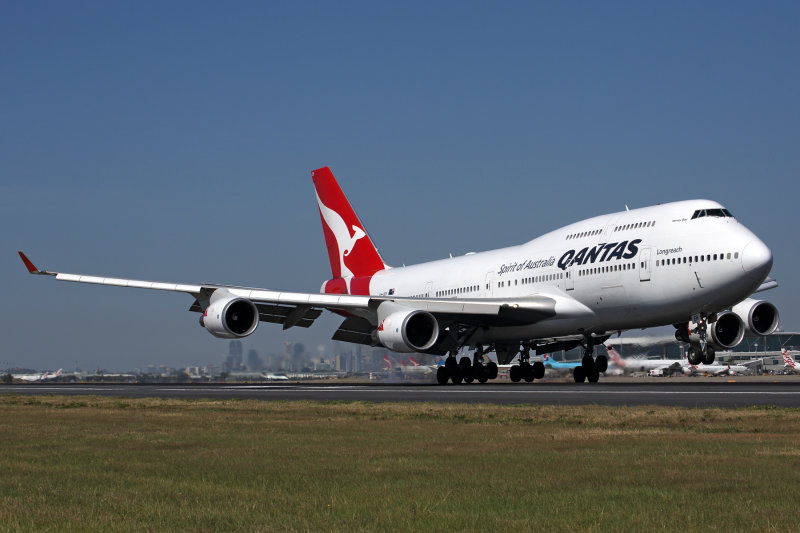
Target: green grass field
[{"x": 109, "y": 464}]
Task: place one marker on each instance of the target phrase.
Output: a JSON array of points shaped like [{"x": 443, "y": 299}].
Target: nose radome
[{"x": 756, "y": 256}]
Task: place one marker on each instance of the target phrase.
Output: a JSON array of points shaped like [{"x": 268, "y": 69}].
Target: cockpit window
[{"x": 719, "y": 213}]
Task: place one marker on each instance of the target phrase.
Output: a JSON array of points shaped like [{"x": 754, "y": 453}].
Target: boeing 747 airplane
[{"x": 689, "y": 263}]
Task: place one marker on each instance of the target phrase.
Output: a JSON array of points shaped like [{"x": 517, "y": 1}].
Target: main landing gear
[
  {"x": 525, "y": 370},
  {"x": 699, "y": 351},
  {"x": 466, "y": 370},
  {"x": 590, "y": 367}
]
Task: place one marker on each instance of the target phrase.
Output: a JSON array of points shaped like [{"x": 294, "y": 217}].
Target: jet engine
[
  {"x": 723, "y": 334},
  {"x": 402, "y": 329},
  {"x": 760, "y": 317},
  {"x": 229, "y": 317},
  {"x": 726, "y": 332}
]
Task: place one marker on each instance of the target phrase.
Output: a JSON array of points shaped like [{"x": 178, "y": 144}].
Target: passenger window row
[
  {"x": 606, "y": 269},
  {"x": 457, "y": 291},
  {"x": 635, "y": 225},
  {"x": 584, "y": 234},
  {"x": 696, "y": 259},
  {"x": 534, "y": 279}
]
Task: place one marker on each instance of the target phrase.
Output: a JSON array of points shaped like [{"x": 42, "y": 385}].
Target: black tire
[
  {"x": 484, "y": 377},
  {"x": 468, "y": 379},
  {"x": 527, "y": 373},
  {"x": 579, "y": 374},
  {"x": 492, "y": 369},
  {"x": 601, "y": 363},
  {"x": 593, "y": 375},
  {"x": 451, "y": 365},
  {"x": 709, "y": 356},
  {"x": 587, "y": 362},
  {"x": 457, "y": 378},
  {"x": 442, "y": 376},
  {"x": 465, "y": 366},
  {"x": 695, "y": 356},
  {"x": 538, "y": 370},
  {"x": 477, "y": 370},
  {"x": 515, "y": 373}
]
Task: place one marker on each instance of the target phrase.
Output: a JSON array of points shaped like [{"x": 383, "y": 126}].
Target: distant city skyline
[{"x": 174, "y": 142}]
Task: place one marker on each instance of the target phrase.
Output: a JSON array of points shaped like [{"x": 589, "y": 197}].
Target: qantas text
[{"x": 601, "y": 252}]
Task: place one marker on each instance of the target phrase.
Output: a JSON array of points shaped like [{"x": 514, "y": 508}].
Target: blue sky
[{"x": 174, "y": 142}]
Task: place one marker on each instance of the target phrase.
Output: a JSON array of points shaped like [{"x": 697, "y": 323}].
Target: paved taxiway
[{"x": 686, "y": 394}]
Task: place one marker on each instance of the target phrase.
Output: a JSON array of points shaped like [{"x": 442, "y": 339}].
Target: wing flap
[{"x": 356, "y": 330}]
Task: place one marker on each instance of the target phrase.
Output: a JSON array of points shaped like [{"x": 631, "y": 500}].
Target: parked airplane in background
[
  {"x": 719, "y": 369},
  {"x": 640, "y": 364},
  {"x": 689, "y": 263},
  {"x": 663, "y": 367},
  {"x": 552, "y": 363},
  {"x": 42, "y": 376},
  {"x": 790, "y": 365}
]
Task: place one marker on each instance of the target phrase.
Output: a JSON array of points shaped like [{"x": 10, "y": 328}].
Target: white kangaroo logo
[{"x": 344, "y": 241}]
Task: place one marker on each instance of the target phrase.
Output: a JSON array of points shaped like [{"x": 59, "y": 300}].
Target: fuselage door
[
  {"x": 644, "y": 264},
  {"x": 488, "y": 287},
  {"x": 569, "y": 279},
  {"x": 428, "y": 289}
]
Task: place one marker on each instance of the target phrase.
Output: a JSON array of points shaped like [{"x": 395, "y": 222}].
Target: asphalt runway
[{"x": 705, "y": 393}]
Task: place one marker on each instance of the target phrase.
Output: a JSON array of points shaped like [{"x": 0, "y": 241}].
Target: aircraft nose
[{"x": 756, "y": 257}]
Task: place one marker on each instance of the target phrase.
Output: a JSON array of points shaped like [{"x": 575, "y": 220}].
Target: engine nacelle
[
  {"x": 727, "y": 331},
  {"x": 723, "y": 334},
  {"x": 406, "y": 330},
  {"x": 229, "y": 317},
  {"x": 760, "y": 317}
]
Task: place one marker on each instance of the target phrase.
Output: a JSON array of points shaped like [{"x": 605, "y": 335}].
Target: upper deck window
[{"x": 719, "y": 213}]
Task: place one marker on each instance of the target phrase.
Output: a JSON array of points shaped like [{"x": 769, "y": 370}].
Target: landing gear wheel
[
  {"x": 481, "y": 373},
  {"x": 709, "y": 356},
  {"x": 601, "y": 363},
  {"x": 694, "y": 355},
  {"x": 579, "y": 374},
  {"x": 593, "y": 375},
  {"x": 442, "y": 376},
  {"x": 465, "y": 366},
  {"x": 538, "y": 370},
  {"x": 491, "y": 368},
  {"x": 515, "y": 373},
  {"x": 457, "y": 377},
  {"x": 468, "y": 379},
  {"x": 451, "y": 365},
  {"x": 587, "y": 362},
  {"x": 527, "y": 371}
]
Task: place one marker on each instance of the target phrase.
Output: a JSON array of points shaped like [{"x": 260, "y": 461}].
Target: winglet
[{"x": 31, "y": 267}]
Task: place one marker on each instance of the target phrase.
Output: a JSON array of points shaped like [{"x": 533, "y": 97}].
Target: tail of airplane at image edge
[
  {"x": 790, "y": 365},
  {"x": 539, "y": 296}
]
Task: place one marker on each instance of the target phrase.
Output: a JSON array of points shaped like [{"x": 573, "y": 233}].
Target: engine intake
[
  {"x": 726, "y": 332},
  {"x": 402, "y": 329},
  {"x": 760, "y": 317},
  {"x": 230, "y": 317},
  {"x": 723, "y": 334}
]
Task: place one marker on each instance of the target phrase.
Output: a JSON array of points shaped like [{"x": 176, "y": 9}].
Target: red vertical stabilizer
[{"x": 352, "y": 254}]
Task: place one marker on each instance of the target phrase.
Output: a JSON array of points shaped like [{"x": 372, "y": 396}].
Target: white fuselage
[{"x": 639, "y": 268}]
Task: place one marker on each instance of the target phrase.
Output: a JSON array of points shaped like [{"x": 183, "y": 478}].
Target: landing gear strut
[
  {"x": 590, "y": 367},
  {"x": 699, "y": 352},
  {"x": 466, "y": 370},
  {"x": 525, "y": 369}
]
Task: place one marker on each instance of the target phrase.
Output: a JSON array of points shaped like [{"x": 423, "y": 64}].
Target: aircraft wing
[{"x": 301, "y": 309}]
